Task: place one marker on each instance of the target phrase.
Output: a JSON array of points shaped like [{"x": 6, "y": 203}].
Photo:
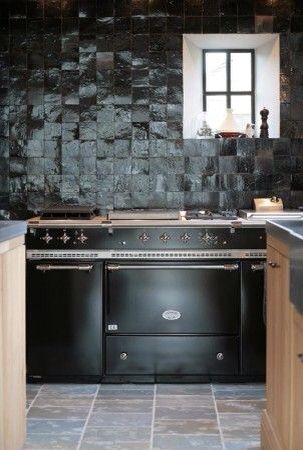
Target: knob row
[
  {"x": 164, "y": 237},
  {"x": 206, "y": 238},
  {"x": 47, "y": 238}
]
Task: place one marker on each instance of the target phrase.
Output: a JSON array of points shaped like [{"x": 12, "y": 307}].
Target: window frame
[{"x": 228, "y": 93}]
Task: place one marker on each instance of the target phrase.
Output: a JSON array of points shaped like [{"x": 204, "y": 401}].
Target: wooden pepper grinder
[{"x": 264, "y": 127}]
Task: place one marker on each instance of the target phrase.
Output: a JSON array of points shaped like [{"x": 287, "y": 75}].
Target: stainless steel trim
[
  {"x": 94, "y": 254},
  {"x": 230, "y": 267},
  {"x": 262, "y": 215},
  {"x": 49, "y": 267},
  {"x": 257, "y": 267}
]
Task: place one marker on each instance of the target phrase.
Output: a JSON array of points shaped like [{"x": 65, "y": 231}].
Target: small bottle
[
  {"x": 205, "y": 130},
  {"x": 250, "y": 130}
]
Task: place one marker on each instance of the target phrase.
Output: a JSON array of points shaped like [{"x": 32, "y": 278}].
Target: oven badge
[{"x": 170, "y": 314}]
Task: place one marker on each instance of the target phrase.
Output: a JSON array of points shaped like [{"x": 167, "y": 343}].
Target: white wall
[
  {"x": 268, "y": 85},
  {"x": 192, "y": 88},
  {"x": 267, "y": 75}
]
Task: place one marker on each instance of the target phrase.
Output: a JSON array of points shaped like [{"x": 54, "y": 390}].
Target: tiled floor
[{"x": 141, "y": 417}]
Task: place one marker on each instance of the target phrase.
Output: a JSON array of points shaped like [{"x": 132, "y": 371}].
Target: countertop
[
  {"x": 103, "y": 223},
  {"x": 10, "y": 229},
  {"x": 290, "y": 232}
]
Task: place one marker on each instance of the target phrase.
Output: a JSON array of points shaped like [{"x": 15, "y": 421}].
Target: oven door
[
  {"x": 161, "y": 298},
  {"x": 64, "y": 307}
]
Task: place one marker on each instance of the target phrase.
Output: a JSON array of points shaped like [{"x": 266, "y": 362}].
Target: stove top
[
  {"x": 71, "y": 216},
  {"x": 211, "y": 215},
  {"x": 144, "y": 214},
  {"x": 69, "y": 212},
  {"x": 154, "y": 214}
]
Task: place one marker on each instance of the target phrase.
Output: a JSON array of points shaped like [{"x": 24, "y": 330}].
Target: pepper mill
[{"x": 264, "y": 127}]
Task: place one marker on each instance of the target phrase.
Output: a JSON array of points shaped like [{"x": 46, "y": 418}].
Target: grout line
[
  {"x": 218, "y": 419},
  {"x": 153, "y": 419},
  {"x": 32, "y": 402},
  {"x": 88, "y": 417}
]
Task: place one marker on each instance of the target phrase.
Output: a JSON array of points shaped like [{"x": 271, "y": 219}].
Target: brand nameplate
[{"x": 170, "y": 314}]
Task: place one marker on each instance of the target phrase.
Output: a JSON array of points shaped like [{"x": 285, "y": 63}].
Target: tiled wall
[{"x": 91, "y": 106}]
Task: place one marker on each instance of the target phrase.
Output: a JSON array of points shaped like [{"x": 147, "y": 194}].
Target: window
[{"x": 229, "y": 82}]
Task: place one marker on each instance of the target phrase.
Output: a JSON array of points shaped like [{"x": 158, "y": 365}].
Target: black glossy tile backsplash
[{"x": 91, "y": 106}]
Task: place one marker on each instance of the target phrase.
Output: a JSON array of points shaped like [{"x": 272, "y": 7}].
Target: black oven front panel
[{"x": 165, "y": 298}]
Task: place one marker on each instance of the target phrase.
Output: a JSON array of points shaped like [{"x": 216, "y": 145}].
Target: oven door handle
[
  {"x": 49, "y": 267},
  {"x": 257, "y": 267},
  {"x": 229, "y": 267}
]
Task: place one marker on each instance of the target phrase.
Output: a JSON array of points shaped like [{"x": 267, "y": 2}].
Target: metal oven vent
[
  {"x": 62, "y": 255},
  {"x": 211, "y": 254},
  {"x": 145, "y": 254}
]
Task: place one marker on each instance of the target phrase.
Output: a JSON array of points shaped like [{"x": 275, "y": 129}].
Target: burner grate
[
  {"x": 211, "y": 215},
  {"x": 69, "y": 212}
]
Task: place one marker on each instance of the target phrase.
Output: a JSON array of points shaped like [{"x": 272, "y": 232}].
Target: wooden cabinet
[
  {"x": 297, "y": 382},
  {"x": 12, "y": 344},
  {"x": 282, "y": 421}
]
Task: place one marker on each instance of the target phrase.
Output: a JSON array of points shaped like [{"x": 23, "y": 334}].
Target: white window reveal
[{"x": 242, "y": 77}]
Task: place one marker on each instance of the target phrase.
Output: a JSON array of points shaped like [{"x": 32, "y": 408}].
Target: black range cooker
[{"x": 135, "y": 298}]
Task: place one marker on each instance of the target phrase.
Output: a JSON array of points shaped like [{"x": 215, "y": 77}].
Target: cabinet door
[
  {"x": 64, "y": 314},
  {"x": 278, "y": 346},
  {"x": 297, "y": 383},
  {"x": 12, "y": 342}
]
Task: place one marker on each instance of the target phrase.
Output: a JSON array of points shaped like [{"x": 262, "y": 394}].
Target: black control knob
[
  {"x": 64, "y": 238},
  {"x": 208, "y": 238},
  {"x": 47, "y": 237},
  {"x": 164, "y": 237},
  {"x": 144, "y": 237},
  {"x": 220, "y": 356},
  {"x": 185, "y": 237},
  {"x": 82, "y": 238}
]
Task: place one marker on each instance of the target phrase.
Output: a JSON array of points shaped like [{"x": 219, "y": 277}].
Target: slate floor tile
[
  {"x": 202, "y": 401},
  {"x": 240, "y": 426},
  {"x": 242, "y": 445},
  {"x": 115, "y": 446},
  {"x": 58, "y": 412},
  {"x": 124, "y": 405},
  {"x": 240, "y": 406},
  {"x": 117, "y": 434},
  {"x": 127, "y": 393},
  {"x": 183, "y": 389},
  {"x": 187, "y": 442},
  {"x": 170, "y": 413},
  {"x": 71, "y": 389},
  {"x": 187, "y": 426},
  {"x": 239, "y": 394},
  {"x": 238, "y": 386},
  {"x": 32, "y": 390},
  {"x": 126, "y": 387},
  {"x": 50, "y": 442},
  {"x": 62, "y": 400},
  {"x": 99, "y": 418},
  {"x": 56, "y": 427}
]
